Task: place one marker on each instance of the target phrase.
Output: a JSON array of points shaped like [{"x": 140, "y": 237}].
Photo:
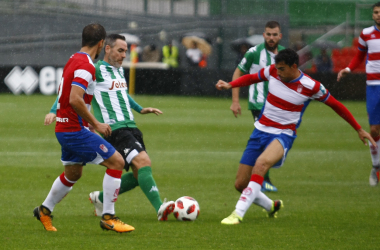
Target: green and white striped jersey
[
  {"x": 255, "y": 59},
  {"x": 111, "y": 102}
]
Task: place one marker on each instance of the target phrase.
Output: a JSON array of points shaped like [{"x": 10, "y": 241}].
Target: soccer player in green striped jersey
[
  {"x": 113, "y": 105},
  {"x": 255, "y": 59}
]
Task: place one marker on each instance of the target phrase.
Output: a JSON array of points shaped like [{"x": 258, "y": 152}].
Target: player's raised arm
[
  {"x": 342, "y": 111},
  {"x": 78, "y": 104}
]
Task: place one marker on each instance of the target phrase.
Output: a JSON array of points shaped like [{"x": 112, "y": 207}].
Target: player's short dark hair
[
  {"x": 376, "y": 5},
  {"x": 92, "y": 34},
  {"x": 288, "y": 56},
  {"x": 272, "y": 25},
  {"x": 111, "y": 39}
]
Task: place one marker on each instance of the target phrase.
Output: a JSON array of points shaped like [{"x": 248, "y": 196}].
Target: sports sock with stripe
[
  {"x": 60, "y": 188},
  {"x": 111, "y": 187}
]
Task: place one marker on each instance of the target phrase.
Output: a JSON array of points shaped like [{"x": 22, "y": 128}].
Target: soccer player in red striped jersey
[
  {"x": 290, "y": 91},
  {"x": 369, "y": 47},
  {"x": 78, "y": 145}
]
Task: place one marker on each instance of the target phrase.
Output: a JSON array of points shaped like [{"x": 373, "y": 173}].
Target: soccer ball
[{"x": 186, "y": 209}]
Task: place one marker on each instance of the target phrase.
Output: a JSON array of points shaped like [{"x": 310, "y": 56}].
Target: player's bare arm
[
  {"x": 342, "y": 73},
  {"x": 49, "y": 119},
  {"x": 78, "y": 104},
  {"x": 151, "y": 110},
  {"x": 235, "y": 106},
  {"x": 223, "y": 85},
  {"x": 365, "y": 135}
]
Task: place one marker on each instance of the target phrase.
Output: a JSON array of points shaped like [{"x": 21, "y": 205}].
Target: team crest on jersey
[
  {"x": 103, "y": 148},
  {"x": 299, "y": 88}
]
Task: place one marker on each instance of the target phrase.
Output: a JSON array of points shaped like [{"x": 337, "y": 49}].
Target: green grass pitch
[{"x": 195, "y": 147}]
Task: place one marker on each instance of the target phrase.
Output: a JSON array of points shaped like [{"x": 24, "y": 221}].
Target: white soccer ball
[{"x": 186, "y": 209}]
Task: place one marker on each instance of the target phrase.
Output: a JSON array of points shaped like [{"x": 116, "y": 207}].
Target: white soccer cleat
[
  {"x": 374, "y": 177},
  {"x": 94, "y": 198},
  {"x": 165, "y": 209}
]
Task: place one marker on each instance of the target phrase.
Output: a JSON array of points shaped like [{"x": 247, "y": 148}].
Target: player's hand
[
  {"x": 223, "y": 85},
  {"x": 342, "y": 73},
  {"x": 103, "y": 128},
  {"x": 365, "y": 135},
  {"x": 49, "y": 119},
  {"x": 91, "y": 128},
  {"x": 151, "y": 110},
  {"x": 236, "y": 109}
]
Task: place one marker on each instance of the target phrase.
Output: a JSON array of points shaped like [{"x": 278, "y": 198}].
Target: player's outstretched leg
[
  {"x": 43, "y": 214},
  {"x": 165, "y": 209},
  {"x": 111, "y": 222}
]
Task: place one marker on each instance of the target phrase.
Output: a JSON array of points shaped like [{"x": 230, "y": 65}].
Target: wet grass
[{"x": 195, "y": 147}]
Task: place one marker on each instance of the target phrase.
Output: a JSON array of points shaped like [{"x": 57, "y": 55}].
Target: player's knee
[
  {"x": 240, "y": 186},
  {"x": 261, "y": 165},
  {"x": 141, "y": 160}
]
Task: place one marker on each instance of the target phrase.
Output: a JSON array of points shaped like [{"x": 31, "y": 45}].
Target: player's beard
[{"x": 270, "y": 48}]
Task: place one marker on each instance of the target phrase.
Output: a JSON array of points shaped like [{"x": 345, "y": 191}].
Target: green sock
[
  {"x": 128, "y": 182},
  {"x": 149, "y": 187},
  {"x": 266, "y": 177}
]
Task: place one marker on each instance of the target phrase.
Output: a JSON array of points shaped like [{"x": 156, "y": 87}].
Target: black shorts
[{"x": 128, "y": 142}]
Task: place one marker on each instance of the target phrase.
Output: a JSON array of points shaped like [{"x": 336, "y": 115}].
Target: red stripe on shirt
[
  {"x": 268, "y": 122},
  {"x": 373, "y": 56},
  {"x": 282, "y": 104},
  {"x": 373, "y": 76}
]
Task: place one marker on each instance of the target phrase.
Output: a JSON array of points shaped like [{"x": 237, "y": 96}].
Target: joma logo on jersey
[
  {"x": 118, "y": 85},
  {"x": 59, "y": 119}
]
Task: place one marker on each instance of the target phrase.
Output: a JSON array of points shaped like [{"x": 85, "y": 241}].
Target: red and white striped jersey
[
  {"x": 369, "y": 42},
  {"x": 286, "y": 101},
  {"x": 78, "y": 71}
]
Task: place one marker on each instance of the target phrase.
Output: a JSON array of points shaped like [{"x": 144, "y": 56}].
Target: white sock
[
  {"x": 248, "y": 195},
  {"x": 111, "y": 187},
  {"x": 263, "y": 201},
  {"x": 375, "y": 156},
  {"x": 60, "y": 188}
]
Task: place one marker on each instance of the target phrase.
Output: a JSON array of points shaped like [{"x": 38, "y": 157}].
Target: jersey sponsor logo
[
  {"x": 153, "y": 189},
  {"x": 103, "y": 148},
  {"x": 59, "y": 119},
  {"x": 247, "y": 191},
  {"x": 118, "y": 85}
]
